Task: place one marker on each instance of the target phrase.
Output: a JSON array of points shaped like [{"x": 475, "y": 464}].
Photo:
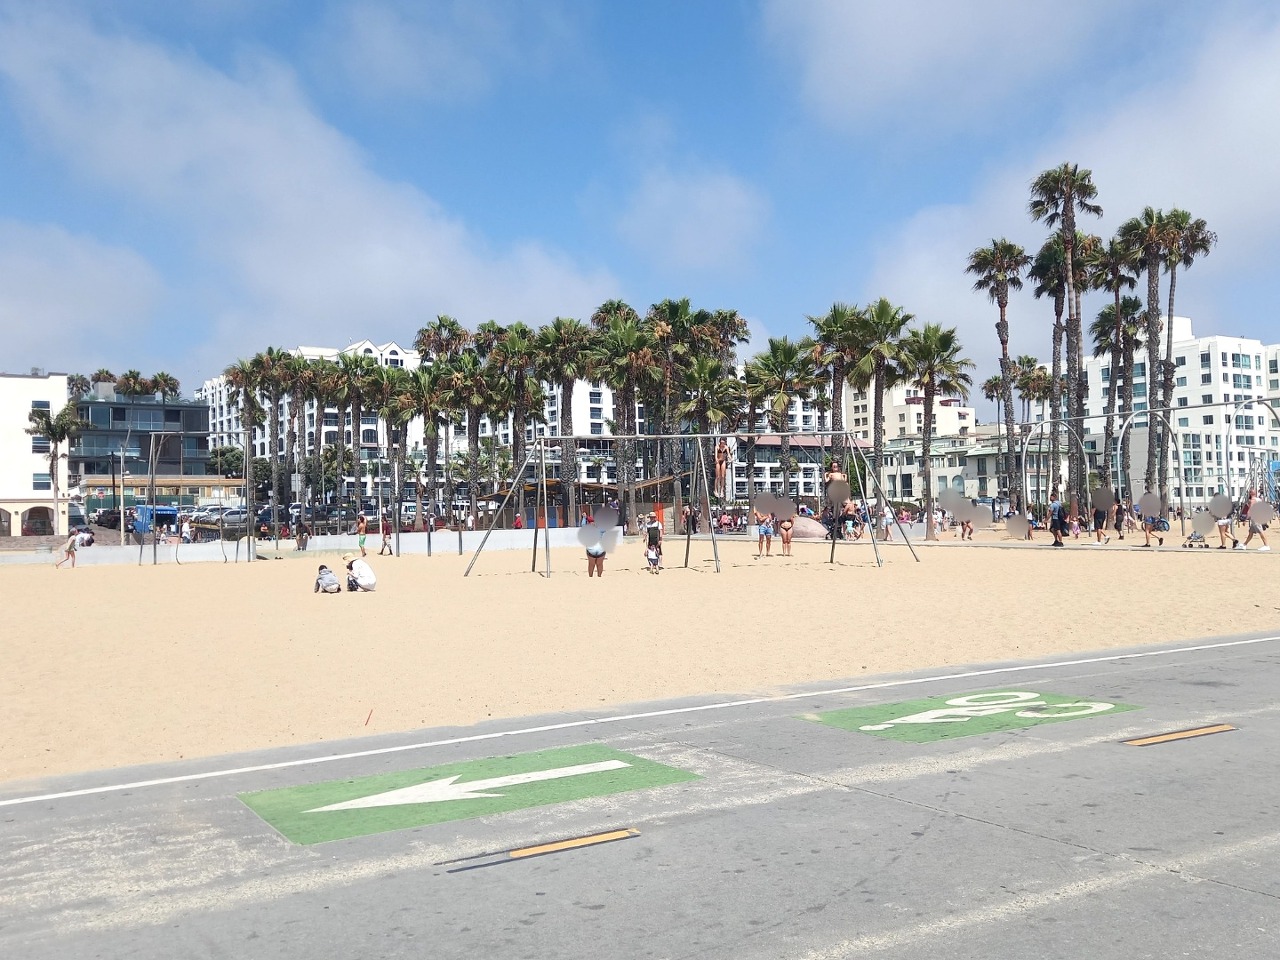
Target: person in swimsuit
[
  {"x": 765, "y": 545},
  {"x": 784, "y": 530},
  {"x": 362, "y": 531},
  {"x": 722, "y": 465},
  {"x": 595, "y": 559},
  {"x": 833, "y": 473}
]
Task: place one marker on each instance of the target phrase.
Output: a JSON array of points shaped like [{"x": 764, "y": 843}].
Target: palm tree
[
  {"x": 880, "y": 327},
  {"x": 132, "y": 383},
  {"x": 1148, "y": 234},
  {"x": 270, "y": 371},
  {"x": 355, "y": 369},
  {"x": 991, "y": 390},
  {"x": 930, "y": 358},
  {"x": 753, "y": 405},
  {"x": 712, "y": 397},
  {"x": 58, "y": 429},
  {"x": 1186, "y": 238},
  {"x": 786, "y": 374},
  {"x": 425, "y": 395},
  {"x": 102, "y": 375},
  {"x": 1116, "y": 332},
  {"x": 242, "y": 376},
  {"x": 1113, "y": 268},
  {"x": 516, "y": 361},
  {"x": 625, "y": 359},
  {"x": 999, "y": 269},
  {"x": 565, "y": 349},
  {"x": 469, "y": 381},
  {"x": 1025, "y": 368},
  {"x": 296, "y": 376},
  {"x": 1057, "y": 195},
  {"x": 838, "y": 346},
  {"x": 443, "y": 339},
  {"x": 167, "y": 385},
  {"x": 77, "y": 385}
]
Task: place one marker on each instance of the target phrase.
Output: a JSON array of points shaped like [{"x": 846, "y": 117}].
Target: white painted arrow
[{"x": 437, "y": 791}]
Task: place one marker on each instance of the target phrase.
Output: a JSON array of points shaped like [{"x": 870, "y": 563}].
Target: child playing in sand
[
  {"x": 327, "y": 581},
  {"x": 653, "y": 556}
]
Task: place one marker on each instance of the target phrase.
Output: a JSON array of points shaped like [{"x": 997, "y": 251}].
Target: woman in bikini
[
  {"x": 722, "y": 466},
  {"x": 784, "y": 531}
]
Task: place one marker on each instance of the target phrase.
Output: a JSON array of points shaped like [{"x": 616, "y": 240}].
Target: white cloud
[
  {"x": 306, "y": 243},
  {"x": 1194, "y": 139},
  {"x": 70, "y": 303},
  {"x": 935, "y": 63},
  {"x": 444, "y": 50},
  {"x": 693, "y": 221}
]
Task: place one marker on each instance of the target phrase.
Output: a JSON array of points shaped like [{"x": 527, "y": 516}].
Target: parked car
[
  {"x": 109, "y": 519},
  {"x": 237, "y": 517}
]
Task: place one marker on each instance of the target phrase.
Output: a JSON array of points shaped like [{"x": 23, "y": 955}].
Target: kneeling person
[
  {"x": 327, "y": 581},
  {"x": 359, "y": 574}
]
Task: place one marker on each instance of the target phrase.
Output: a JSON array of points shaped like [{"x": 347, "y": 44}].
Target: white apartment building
[
  {"x": 1224, "y": 414},
  {"x": 26, "y": 487},
  {"x": 904, "y": 414}
]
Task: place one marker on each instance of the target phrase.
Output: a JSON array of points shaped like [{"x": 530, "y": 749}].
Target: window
[
  {"x": 1139, "y": 389},
  {"x": 1183, "y": 422},
  {"x": 41, "y": 481},
  {"x": 595, "y": 396},
  {"x": 1182, "y": 401},
  {"x": 1139, "y": 369},
  {"x": 597, "y": 413},
  {"x": 1244, "y": 362},
  {"x": 1206, "y": 378},
  {"x": 39, "y": 444},
  {"x": 902, "y": 418},
  {"x": 1106, "y": 374},
  {"x": 1204, "y": 359},
  {"x": 1179, "y": 361},
  {"x": 40, "y": 405},
  {"x": 1273, "y": 384},
  {"x": 1208, "y": 418},
  {"x": 1273, "y": 366},
  {"x": 597, "y": 428}
]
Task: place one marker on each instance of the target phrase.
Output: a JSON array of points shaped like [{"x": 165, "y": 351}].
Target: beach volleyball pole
[
  {"x": 711, "y": 523},
  {"x": 546, "y": 507}
]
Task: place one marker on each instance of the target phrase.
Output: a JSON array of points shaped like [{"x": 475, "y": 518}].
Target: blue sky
[{"x": 189, "y": 183}]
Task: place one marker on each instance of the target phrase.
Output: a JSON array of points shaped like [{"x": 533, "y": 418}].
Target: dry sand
[{"x": 205, "y": 659}]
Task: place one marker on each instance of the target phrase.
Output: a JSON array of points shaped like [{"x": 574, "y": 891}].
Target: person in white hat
[{"x": 359, "y": 574}]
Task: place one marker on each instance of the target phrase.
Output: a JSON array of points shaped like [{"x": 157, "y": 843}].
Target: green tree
[
  {"x": 624, "y": 358},
  {"x": 77, "y": 386},
  {"x": 1117, "y": 333},
  {"x": 1148, "y": 234},
  {"x": 838, "y": 346},
  {"x": 102, "y": 375},
  {"x": 566, "y": 348},
  {"x": 999, "y": 268},
  {"x": 58, "y": 429},
  {"x": 270, "y": 370},
  {"x": 242, "y": 378},
  {"x": 425, "y": 395},
  {"x": 1057, "y": 196},
  {"x": 931, "y": 360},
  {"x": 1113, "y": 268},
  {"x": 881, "y": 327},
  {"x": 227, "y": 461},
  {"x": 712, "y": 398},
  {"x": 469, "y": 382},
  {"x": 786, "y": 374}
]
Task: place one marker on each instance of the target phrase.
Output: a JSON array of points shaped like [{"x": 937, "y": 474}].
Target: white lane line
[
  {"x": 594, "y": 721},
  {"x": 1018, "y": 906}
]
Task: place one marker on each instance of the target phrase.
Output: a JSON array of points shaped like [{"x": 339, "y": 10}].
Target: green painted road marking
[
  {"x": 945, "y": 718},
  {"x": 338, "y": 809}
]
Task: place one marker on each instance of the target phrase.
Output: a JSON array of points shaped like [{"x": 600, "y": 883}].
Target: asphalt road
[{"x": 796, "y": 839}]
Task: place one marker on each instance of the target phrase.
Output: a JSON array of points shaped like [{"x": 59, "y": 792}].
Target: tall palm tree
[
  {"x": 381, "y": 390},
  {"x": 322, "y": 387},
  {"x": 564, "y": 347},
  {"x": 1187, "y": 238},
  {"x": 469, "y": 381},
  {"x": 1057, "y": 196},
  {"x": 270, "y": 369},
  {"x": 625, "y": 359},
  {"x": 77, "y": 385},
  {"x": 58, "y": 429},
  {"x": 516, "y": 361},
  {"x": 442, "y": 339},
  {"x": 355, "y": 369},
  {"x": 242, "y": 376},
  {"x": 132, "y": 383},
  {"x": 712, "y": 397},
  {"x": 1117, "y": 332},
  {"x": 1148, "y": 234},
  {"x": 931, "y": 359},
  {"x": 1049, "y": 271},
  {"x": 999, "y": 268},
  {"x": 102, "y": 375},
  {"x": 1113, "y": 268},
  {"x": 167, "y": 385},
  {"x": 838, "y": 346},
  {"x": 786, "y": 374},
  {"x": 1025, "y": 368},
  {"x": 425, "y": 396},
  {"x": 881, "y": 326},
  {"x": 296, "y": 375},
  {"x": 753, "y": 394}
]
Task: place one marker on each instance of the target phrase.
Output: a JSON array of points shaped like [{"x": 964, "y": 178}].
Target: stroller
[{"x": 1195, "y": 540}]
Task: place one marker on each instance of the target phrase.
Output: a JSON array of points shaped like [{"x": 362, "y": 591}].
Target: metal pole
[
  {"x": 875, "y": 521},
  {"x": 546, "y": 510},
  {"x": 711, "y": 524},
  {"x": 494, "y": 522},
  {"x": 397, "y": 482}
]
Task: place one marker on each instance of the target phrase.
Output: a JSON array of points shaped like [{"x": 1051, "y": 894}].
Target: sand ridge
[{"x": 204, "y": 659}]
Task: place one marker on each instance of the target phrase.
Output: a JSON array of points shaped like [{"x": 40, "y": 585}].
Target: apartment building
[{"x": 26, "y": 485}]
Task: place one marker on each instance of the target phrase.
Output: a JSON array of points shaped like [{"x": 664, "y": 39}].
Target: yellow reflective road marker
[
  {"x": 573, "y": 844},
  {"x": 1179, "y": 735},
  {"x": 540, "y": 850}
]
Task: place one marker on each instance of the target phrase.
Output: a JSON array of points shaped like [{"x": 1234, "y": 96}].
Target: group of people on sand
[{"x": 360, "y": 577}]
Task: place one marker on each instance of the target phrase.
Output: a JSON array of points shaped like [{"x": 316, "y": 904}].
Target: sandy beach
[{"x": 114, "y": 665}]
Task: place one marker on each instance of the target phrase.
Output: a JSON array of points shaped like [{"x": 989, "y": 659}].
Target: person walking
[
  {"x": 69, "y": 550},
  {"x": 385, "y": 548},
  {"x": 1057, "y": 519},
  {"x": 362, "y": 532},
  {"x": 1100, "y": 535}
]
